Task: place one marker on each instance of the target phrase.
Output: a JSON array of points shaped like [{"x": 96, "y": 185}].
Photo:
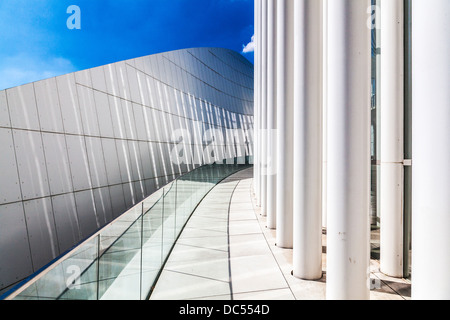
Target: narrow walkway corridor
[{"x": 226, "y": 252}]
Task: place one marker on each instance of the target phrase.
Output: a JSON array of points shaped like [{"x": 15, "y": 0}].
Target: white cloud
[
  {"x": 250, "y": 47},
  {"x": 22, "y": 69}
]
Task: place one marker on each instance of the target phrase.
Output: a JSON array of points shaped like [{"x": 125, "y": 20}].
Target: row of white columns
[{"x": 312, "y": 85}]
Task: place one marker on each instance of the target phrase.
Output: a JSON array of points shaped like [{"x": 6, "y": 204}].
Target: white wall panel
[
  {"x": 139, "y": 190},
  {"x": 118, "y": 123},
  {"x": 31, "y": 162},
  {"x": 58, "y": 167},
  {"x": 139, "y": 64},
  {"x": 143, "y": 89},
  {"x": 112, "y": 81},
  {"x": 83, "y": 78},
  {"x": 133, "y": 85},
  {"x": 69, "y": 104},
  {"x": 98, "y": 79},
  {"x": 124, "y": 89},
  {"x": 128, "y": 116},
  {"x": 150, "y": 185},
  {"x": 147, "y": 164},
  {"x": 135, "y": 160},
  {"x": 124, "y": 160},
  {"x": 117, "y": 200},
  {"x": 79, "y": 163},
  {"x": 141, "y": 132},
  {"x": 129, "y": 193},
  {"x": 155, "y": 124},
  {"x": 154, "y": 148},
  {"x": 87, "y": 213},
  {"x": 111, "y": 161},
  {"x": 22, "y": 107},
  {"x": 15, "y": 262},
  {"x": 4, "y": 112},
  {"x": 66, "y": 221},
  {"x": 147, "y": 65},
  {"x": 41, "y": 231},
  {"x": 88, "y": 111},
  {"x": 104, "y": 114},
  {"x": 10, "y": 186},
  {"x": 102, "y": 200},
  {"x": 48, "y": 107},
  {"x": 154, "y": 61},
  {"x": 96, "y": 162}
]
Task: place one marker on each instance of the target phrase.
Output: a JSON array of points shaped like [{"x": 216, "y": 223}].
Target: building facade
[
  {"x": 351, "y": 129},
  {"x": 80, "y": 149}
]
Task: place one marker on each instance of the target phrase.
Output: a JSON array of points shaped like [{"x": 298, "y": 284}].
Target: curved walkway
[{"x": 226, "y": 252}]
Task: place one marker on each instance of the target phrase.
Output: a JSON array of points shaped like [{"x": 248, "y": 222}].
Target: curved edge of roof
[{"x": 234, "y": 52}]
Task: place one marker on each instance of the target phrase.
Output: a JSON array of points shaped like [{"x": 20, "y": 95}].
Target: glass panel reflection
[{"x": 124, "y": 260}]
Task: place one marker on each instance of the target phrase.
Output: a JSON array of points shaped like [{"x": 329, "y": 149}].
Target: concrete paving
[{"x": 226, "y": 252}]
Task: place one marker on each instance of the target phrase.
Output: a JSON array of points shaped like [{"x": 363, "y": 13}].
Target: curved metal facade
[{"x": 80, "y": 149}]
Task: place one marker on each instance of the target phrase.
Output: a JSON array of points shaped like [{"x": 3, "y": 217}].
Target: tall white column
[
  {"x": 348, "y": 186},
  {"x": 324, "y": 108},
  {"x": 392, "y": 141},
  {"x": 307, "y": 253},
  {"x": 263, "y": 135},
  {"x": 259, "y": 79},
  {"x": 285, "y": 124},
  {"x": 271, "y": 114},
  {"x": 431, "y": 149},
  {"x": 256, "y": 102}
]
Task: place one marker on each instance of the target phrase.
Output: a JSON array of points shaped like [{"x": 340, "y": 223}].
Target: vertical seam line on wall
[{"x": 19, "y": 180}]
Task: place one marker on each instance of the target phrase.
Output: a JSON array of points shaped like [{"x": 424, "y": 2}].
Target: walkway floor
[{"x": 226, "y": 252}]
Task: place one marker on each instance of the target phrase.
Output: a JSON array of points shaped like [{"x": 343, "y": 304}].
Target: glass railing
[{"x": 123, "y": 260}]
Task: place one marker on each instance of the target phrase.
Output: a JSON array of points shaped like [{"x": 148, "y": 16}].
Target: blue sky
[{"x": 35, "y": 42}]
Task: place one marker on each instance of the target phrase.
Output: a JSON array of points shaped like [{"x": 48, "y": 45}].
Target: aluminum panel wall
[
  {"x": 104, "y": 114},
  {"x": 41, "y": 231},
  {"x": 102, "y": 199},
  {"x": 66, "y": 221},
  {"x": 31, "y": 163},
  {"x": 88, "y": 111},
  {"x": 111, "y": 161},
  {"x": 87, "y": 214},
  {"x": 80, "y": 149},
  {"x": 79, "y": 163},
  {"x": 22, "y": 107},
  {"x": 49, "y": 109},
  {"x": 70, "y": 110},
  {"x": 13, "y": 238},
  {"x": 4, "y": 112},
  {"x": 96, "y": 162},
  {"x": 59, "y": 177},
  {"x": 10, "y": 186}
]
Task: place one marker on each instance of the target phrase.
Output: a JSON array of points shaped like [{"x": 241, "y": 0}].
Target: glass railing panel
[
  {"x": 80, "y": 271},
  {"x": 124, "y": 259},
  {"x": 169, "y": 220},
  {"x": 49, "y": 287},
  {"x": 119, "y": 266},
  {"x": 152, "y": 259}
]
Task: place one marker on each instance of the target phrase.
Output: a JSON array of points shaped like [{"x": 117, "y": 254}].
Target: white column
[
  {"x": 256, "y": 103},
  {"x": 285, "y": 113},
  {"x": 307, "y": 253},
  {"x": 348, "y": 185},
  {"x": 431, "y": 149},
  {"x": 263, "y": 135},
  {"x": 392, "y": 142},
  {"x": 259, "y": 106},
  {"x": 271, "y": 114},
  {"x": 324, "y": 108}
]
